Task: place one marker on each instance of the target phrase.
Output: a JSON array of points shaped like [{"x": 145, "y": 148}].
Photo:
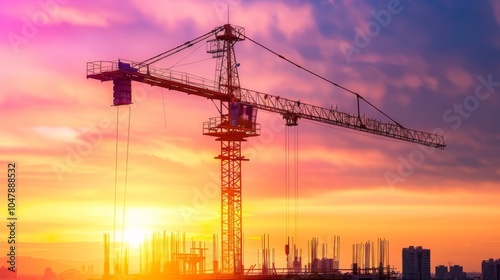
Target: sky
[{"x": 428, "y": 64}]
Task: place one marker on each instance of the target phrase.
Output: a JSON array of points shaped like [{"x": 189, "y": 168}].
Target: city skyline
[
  {"x": 437, "y": 73},
  {"x": 450, "y": 271}
]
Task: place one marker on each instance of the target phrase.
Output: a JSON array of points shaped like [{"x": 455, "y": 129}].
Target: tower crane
[{"x": 236, "y": 121}]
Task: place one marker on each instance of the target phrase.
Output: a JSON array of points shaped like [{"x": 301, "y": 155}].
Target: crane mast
[
  {"x": 235, "y": 124},
  {"x": 237, "y": 121}
]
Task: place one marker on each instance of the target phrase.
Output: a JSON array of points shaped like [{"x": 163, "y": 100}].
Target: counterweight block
[{"x": 122, "y": 91}]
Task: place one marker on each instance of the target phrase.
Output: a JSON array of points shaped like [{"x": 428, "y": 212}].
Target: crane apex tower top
[
  {"x": 231, "y": 32},
  {"x": 222, "y": 48},
  {"x": 226, "y": 33}
]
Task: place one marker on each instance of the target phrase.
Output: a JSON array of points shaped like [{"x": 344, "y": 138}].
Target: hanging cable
[
  {"x": 179, "y": 48},
  {"x": 287, "y": 183},
  {"x": 126, "y": 178},
  {"x": 164, "y": 110},
  {"x": 116, "y": 181},
  {"x": 185, "y": 57},
  {"x": 296, "y": 171},
  {"x": 321, "y": 77},
  {"x": 190, "y": 63}
]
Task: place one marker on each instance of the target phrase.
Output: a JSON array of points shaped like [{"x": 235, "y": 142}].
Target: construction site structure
[
  {"x": 167, "y": 256},
  {"x": 237, "y": 118}
]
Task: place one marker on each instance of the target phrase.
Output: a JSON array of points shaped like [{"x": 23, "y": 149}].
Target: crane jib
[{"x": 120, "y": 72}]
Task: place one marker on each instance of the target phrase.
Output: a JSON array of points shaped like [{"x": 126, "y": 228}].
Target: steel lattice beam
[{"x": 190, "y": 84}]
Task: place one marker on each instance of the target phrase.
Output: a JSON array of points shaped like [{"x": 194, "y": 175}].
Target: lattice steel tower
[{"x": 236, "y": 122}]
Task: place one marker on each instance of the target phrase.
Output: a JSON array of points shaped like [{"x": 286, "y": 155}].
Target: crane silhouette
[{"x": 237, "y": 119}]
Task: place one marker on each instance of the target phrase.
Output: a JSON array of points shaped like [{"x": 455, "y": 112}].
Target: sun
[
  {"x": 134, "y": 237},
  {"x": 139, "y": 224}
]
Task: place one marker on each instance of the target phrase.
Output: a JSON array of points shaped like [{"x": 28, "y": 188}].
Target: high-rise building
[
  {"x": 457, "y": 272},
  {"x": 490, "y": 269},
  {"x": 442, "y": 272},
  {"x": 416, "y": 263}
]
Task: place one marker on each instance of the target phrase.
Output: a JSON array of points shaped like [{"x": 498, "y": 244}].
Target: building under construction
[{"x": 171, "y": 256}]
